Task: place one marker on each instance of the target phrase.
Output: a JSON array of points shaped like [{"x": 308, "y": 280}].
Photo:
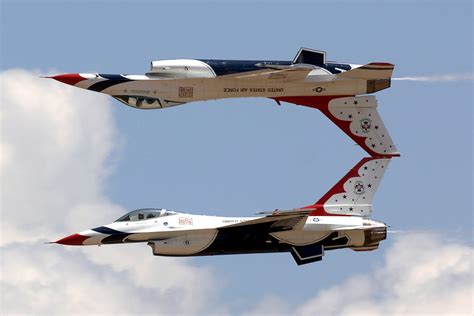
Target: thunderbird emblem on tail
[{"x": 365, "y": 125}]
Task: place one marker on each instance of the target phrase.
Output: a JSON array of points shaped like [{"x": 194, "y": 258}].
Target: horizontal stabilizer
[{"x": 370, "y": 71}]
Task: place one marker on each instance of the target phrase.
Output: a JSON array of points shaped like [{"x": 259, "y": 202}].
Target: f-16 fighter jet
[
  {"x": 340, "y": 219},
  {"x": 307, "y": 80}
]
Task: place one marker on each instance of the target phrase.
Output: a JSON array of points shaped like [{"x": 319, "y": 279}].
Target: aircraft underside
[
  {"x": 230, "y": 245},
  {"x": 249, "y": 240}
]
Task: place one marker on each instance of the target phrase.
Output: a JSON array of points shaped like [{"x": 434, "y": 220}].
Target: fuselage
[
  {"x": 339, "y": 219},
  {"x": 181, "y": 234},
  {"x": 175, "y": 82}
]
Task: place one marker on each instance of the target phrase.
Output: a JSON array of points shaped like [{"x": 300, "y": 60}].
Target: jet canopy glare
[{"x": 144, "y": 214}]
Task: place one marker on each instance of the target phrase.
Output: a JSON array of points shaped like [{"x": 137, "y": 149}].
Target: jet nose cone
[
  {"x": 74, "y": 240},
  {"x": 71, "y": 79}
]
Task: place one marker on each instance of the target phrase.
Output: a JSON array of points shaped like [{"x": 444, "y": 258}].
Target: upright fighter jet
[
  {"x": 307, "y": 80},
  {"x": 340, "y": 219}
]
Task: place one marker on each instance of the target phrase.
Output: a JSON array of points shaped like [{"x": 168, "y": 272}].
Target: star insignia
[
  {"x": 376, "y": 127},
  {"x": 344, "y": 196},
  {"x": 369, "y": 185}
]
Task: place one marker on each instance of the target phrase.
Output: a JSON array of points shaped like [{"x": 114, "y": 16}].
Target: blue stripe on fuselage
[
  {"x": 106, "y": 230},
  {"x": 226, "y": 67},
  {"x": 112, "y": 80}
]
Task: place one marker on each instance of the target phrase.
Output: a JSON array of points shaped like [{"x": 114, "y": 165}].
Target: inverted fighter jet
[
  {"x": 307, "y": 80},
  {"x": 340, "y": 219}
]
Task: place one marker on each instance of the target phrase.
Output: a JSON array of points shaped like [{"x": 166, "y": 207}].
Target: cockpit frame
[{"x": 144, "y": 214}]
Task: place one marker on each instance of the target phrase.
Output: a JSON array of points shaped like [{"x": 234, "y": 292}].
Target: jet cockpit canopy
[{"x": 145, "y": 213}]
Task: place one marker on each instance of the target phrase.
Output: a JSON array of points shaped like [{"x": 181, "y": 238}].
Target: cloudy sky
[{"x": 71, "y": 159}]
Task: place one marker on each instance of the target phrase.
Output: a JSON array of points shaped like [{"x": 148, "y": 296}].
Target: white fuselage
[
  {"x": 187, "y": 234},
  {"x": 147, "y": 92}
]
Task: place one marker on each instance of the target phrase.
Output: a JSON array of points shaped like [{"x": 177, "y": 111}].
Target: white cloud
[
  {"x": 56, "y": 144},
  {"x": 423, "y": 274},
  {"x": 48, "y": 279}
]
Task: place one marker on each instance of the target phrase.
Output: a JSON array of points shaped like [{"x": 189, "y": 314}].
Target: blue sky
[{"x": 235, "y": 157}]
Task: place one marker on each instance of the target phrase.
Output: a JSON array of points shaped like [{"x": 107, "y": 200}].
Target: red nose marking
[
  {"x": 75, "y": 240},
  {"x": 71, "y": 79}
]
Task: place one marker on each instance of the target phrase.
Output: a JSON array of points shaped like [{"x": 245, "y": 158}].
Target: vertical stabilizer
[
  {"x": 357, "y": 117},
  {"x": 353, "y": 194}
]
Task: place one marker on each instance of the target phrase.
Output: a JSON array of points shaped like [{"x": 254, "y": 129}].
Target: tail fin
[
  {"x": 357, "y": 117},
  {"x": 353, "y": 194}
]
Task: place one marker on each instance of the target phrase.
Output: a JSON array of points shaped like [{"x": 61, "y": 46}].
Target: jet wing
[
  {"x": 277, "y": 221},
  {"x": 273, "y": 72}
]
